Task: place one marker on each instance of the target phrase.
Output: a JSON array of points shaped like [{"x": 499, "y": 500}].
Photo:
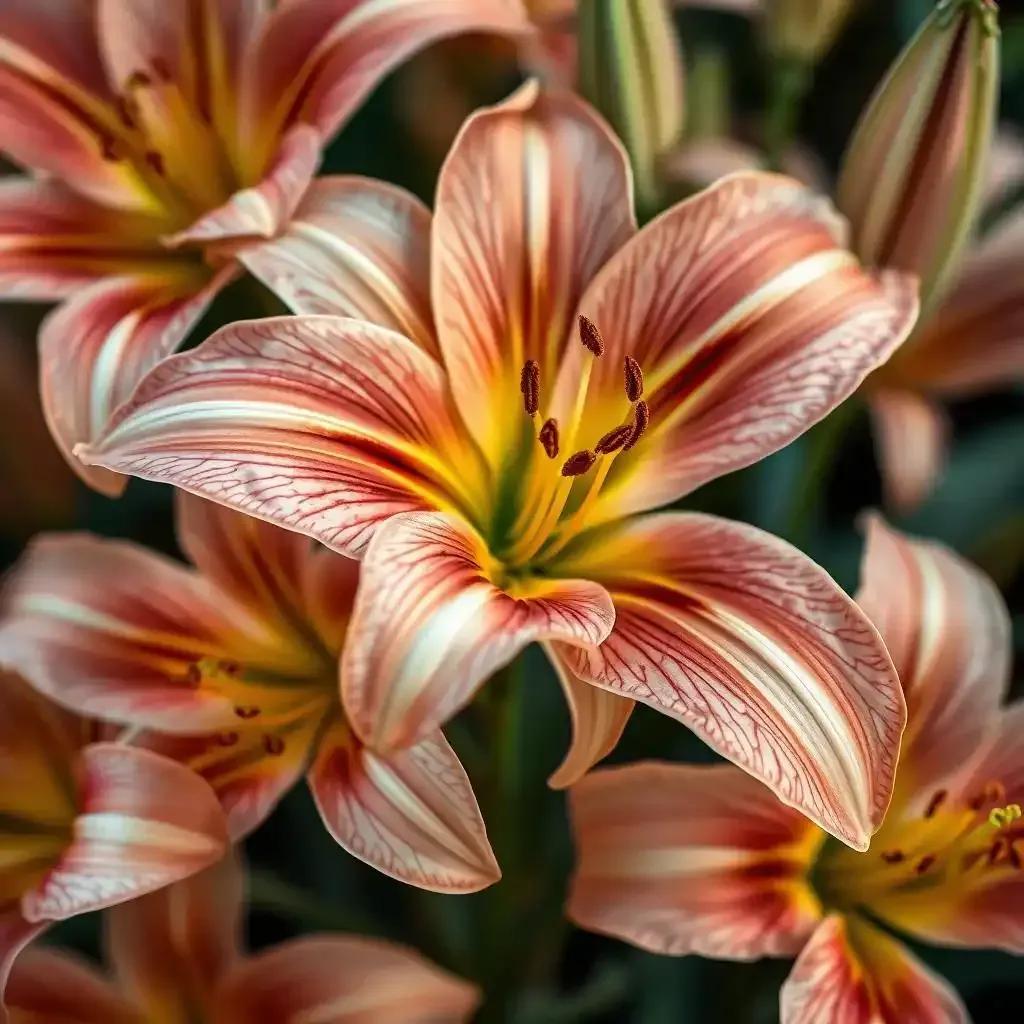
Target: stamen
[
  {"x": 579, "y": 463},
  {"x": 641, "y": 420},
  {"x": 548, "y": 438},
  {"x": 155, "y": 161},
  {"x": 634, "y": 379},
  {"x": 529, "y": 385},
  {"x": 935, "y": 803},
  {"x": 1000, "y": 817},
  {"x": 249, "y": 712},
  {"x": 273, "y": 745},
  {"x": 227, "y": 739},
  {"x": 893, "y": 856},
  {"x": 925, "y": 863},
  {"x": 614, "y": 439},
  {"x": 590, "y": 336}
]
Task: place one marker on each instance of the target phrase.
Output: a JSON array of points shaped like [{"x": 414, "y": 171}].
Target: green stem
[
  {"x": 269, "y": 892},
  {"x": 790, "y": 80}
]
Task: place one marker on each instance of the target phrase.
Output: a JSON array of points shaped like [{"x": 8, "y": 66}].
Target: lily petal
[
  {"x": 324, "y": 425},
  {"x": 144, "y": 823},
  {"x": 852, "y": 973},
  {"x": 411, "y": 814},
  {"x": 99, "y": 344},
  {"x": 911, "y": 441},
  {"x": 534, "y": 197},
  {"x": 751, "y": 322},
  {"x": 598, "y": 718},
  {"x": 358, "y": 248},
  {"x": 948, "y": 631},
  {"x": 752, "y": 645},
  {"x": 177, "y": 943},
  {"x": 112, "y": 631},
  {"x": 15, "y": 934},
  {"x": 678, "y": 859},
  {"x": 345, "y": 981},
  {"x": 430, "y": 626}
]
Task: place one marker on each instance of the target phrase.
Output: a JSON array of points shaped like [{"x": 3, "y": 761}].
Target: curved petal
[
  {"x": 598, "y": 718},
  {"x": 56, "y": 988},
  {"x": 114, "y": 631},
  {"x": 750, "y": 321},
  {"x": 355, "y": 247},
  {"x": 171, "y": 948},
  {"x": 411, "y": 814},
  {"x": 264, "y": 209},
  {"x": 535, "y": 196},
  {"x": 948, "y": 631},
  {"x": 678, "y": 860},
  {"x": 744, "y": 639},
  {"x": 852, "y": 973},
  {"x": 911, "y": 441},
  {"x": 99, "y": 344},
  {"x": 15, "y": 934},
  {"x": 143, "y": 823},
  {"x": 430, "y": 626},
  {"x": 324, "y": 425}
]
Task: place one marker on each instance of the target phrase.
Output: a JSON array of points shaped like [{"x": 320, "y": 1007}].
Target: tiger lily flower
[
  {"x": 176, "y": 957},
  {"x": 537, "y": 375},
  {"x": 679, "y": 859},
  {"x": 232, "y": 669},
  {"x": 85, "y": 825},
  {"x": 166, "y": 136}
]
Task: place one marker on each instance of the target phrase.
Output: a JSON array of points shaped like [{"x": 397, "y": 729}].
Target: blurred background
[{"x": 810, "y": 493}]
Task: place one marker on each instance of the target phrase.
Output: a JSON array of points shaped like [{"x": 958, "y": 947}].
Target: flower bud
[
  {"x": 803, "y": 30},
  {"x": 631, "y": 69},
  {"x": 912, "y": 178}
]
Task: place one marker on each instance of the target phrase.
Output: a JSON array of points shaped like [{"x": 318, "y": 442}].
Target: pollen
[
  {"x": 548, "y": 438},
  {"x": 614, "y": 439},
  {"x": 590, "y": 336},
  {"x": 247, "y": 712},
  {"x": 634, "y": 379},
  {"x": 529, "y": 385},
  {"x": 579, "y": 463},
  {"x": 641, "y": 420},
  {"x": 155, "y": 161},
  {"x": 1000, "y": 817},
  {"x": 925, "y": 864}
]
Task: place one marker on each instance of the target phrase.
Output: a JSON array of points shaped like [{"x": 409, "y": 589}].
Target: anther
[
  {"x": 155, "y": 160},
  {"x": 614, "y": 439},
  {"x": 641, "y": 420},
  {"x": 590, "y": 336},
  {"x": 925, "y": 864},
  {"x": 634, "y": 377},
  {"x": 273, "y": 745},
  {"x": 935, "y": 803},
  {"x": 227, "y": 739},
  {"x": 194, "y": 674},
  {"x": 579, "y": 463},
  {"x": 548, "y": 438},
  {"x": 1000, "y": 817},
  {"x": 247, "y": 712},
  {"x": 529, "y": 385},
  {"x": 893, "y": 856}
]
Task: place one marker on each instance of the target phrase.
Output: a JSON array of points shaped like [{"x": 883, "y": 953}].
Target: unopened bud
[
  {"x": 911, "y": 181},
  {"x": 804, "y": 30},
  {"x": 631, "y": 69}
]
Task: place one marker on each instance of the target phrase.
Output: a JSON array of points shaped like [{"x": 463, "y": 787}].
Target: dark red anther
[
  {"x": 155, "y": 161},
  {"x": 247, "y": 712},
  {"x": 614, "y": 439},
  {"x": 548, "y": 438},
  {"x": 579, "y": 463},
  {"x": 893, "y": 856},
  {"x": 935, "y": 803},
  {"x": 590, "y": 336},
  {"x": 641, "y": 420},
  {"x": 227, "y": 739},
  {"x": 529, "y": 385},
  {"x": 194, "y": 674},
  {"x": 634, "y": 378},
  {"x": 273, "y": 745},
  {"x": 925, "y": 864}
]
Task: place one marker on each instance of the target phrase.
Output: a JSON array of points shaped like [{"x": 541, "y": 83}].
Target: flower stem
[{"x": 790, "y": 80}]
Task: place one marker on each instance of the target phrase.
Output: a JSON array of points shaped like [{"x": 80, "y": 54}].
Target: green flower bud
[{"x": 803, "y": 30}]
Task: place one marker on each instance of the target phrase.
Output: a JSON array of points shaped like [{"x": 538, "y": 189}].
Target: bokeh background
[{"x": 810, "y": 493}]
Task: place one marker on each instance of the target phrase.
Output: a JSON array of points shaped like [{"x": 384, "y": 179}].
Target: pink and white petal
[
  {"x": 535, "y": 196},
  {"x": 852, "y": 973},
  {"x": 265, "y": 209},
  {"x": 598, "y": 718},
  {"x": 948, "y": 631},
  {"x": 144, "y": 822},
  {"x": 15, "y": 934},
  {"x": 740, "y": 636},
  {"x": 355, "y": 247},
  {"x": 751, "y": 323},
  {"x": 911, "y": 444},
  {"x": 47, "y": 987},
  {"x": 100, "y": 343},
  {"x": 178, "y": 942},
  {"x": 316, "y": 62},
  {"x": 411, "y": 814},
  {"x": 430, "y": 627},
  {"x": 678, "y": 859},
  {"x": 342, "y": 980},
  {"x": 323, "y": 425},
  {"x": 113, "y": 631}
]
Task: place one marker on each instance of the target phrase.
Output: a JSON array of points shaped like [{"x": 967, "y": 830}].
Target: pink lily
[
  {"x": 485, "y": 528},
  {"x": 176, "y": 957},
  {"x": 681, "y": 859},
  {"x": 166, "y": 135},
  {"x": 233, "y": 666},
  {"x": 86, "y": 825}
]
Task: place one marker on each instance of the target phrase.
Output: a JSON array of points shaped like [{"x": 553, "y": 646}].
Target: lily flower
[
  {"x": 176, "y": 957},
  {"x": 232, "y": 667},
  {"x": 684, "y": 859},
  {"x": 165, "y": 135},
  {"x": 537, "y": 375},
  {"x": 86, "y": 825}
]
